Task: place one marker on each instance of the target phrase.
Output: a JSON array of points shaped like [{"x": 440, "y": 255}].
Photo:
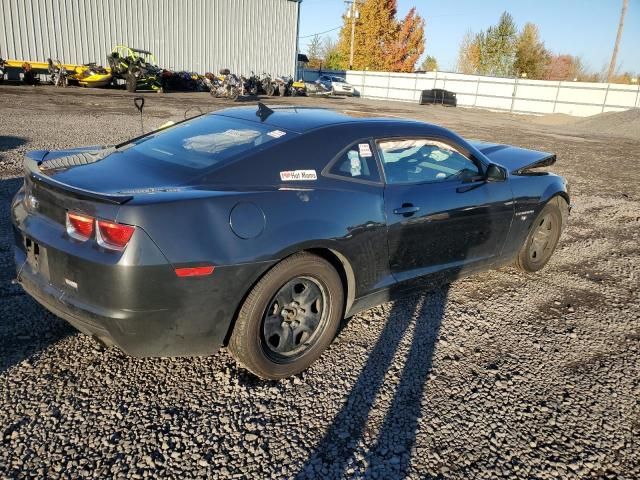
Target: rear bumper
[{"x": 135, "y": 302}]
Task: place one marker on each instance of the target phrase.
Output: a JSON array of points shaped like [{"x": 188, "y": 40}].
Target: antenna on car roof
[
  {"x": 139, "y": 103},
  {"x": 263, "y": 111}
]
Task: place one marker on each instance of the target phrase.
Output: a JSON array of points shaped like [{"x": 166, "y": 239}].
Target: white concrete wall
[{"x": 514, "y": 95}]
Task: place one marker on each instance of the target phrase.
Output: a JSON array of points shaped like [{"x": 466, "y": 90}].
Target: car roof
[{"x": 304, "y": 119}]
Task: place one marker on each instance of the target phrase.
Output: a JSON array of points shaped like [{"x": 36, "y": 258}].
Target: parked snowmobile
[{"x": 91, "y": 75}]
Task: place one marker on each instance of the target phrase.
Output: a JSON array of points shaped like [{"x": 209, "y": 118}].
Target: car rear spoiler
[{"x": 32, "y": 162}]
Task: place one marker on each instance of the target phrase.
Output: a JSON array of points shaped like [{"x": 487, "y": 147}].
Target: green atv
[{"x": 136, "y": 67}]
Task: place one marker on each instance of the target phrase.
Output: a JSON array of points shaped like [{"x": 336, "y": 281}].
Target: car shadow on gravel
[
  {"x": 26, "y": 328},
  {"x": 337, "y": 455},
  {"x": 8, "y": 142}
]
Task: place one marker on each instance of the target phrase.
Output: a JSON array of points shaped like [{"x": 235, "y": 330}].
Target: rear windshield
[{"x": 205, "y": 142}]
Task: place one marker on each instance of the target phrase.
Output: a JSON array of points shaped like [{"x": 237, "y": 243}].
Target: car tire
[
  {"x": 542, "y": 239},
  {"x": 249, "y": 344}
]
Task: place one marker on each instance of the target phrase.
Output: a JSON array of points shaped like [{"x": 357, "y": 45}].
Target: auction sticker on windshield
[{"x": 298, "y": 175}]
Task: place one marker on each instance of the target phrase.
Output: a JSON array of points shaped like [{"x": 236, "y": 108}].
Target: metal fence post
[
  {"x": 555, "y": 100},
  {"x": 513, "y": 94},
  {"x": 606, "y": 94},
  {"x": 364, "y": 82},
  {"x": 637, "y": 96},
  {"x": 415, "y": 86},
  {"x": 388, "y": 83},
  {"x": 475, "y": 98}
]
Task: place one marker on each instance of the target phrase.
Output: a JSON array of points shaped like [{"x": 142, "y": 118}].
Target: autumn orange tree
[
  {"x": 381, "y": 41},
  {"x": 407, "y": 47}
]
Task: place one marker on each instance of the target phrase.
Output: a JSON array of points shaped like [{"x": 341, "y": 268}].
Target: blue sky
[{"x": 579, "y": 27}]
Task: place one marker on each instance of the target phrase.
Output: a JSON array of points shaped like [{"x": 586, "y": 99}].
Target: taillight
[
  {"x": 79, "y": 226},
  {"x": 113, "y": 235}
]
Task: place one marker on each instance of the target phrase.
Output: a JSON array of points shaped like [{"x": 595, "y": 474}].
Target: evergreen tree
[{"x": 498, "y": 47}]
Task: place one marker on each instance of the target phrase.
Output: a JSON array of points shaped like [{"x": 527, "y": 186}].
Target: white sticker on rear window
[
  {"x": 277, "y": 133},
  {"x": 298, "y": 175},
  {"x": 365, "y": 150}
]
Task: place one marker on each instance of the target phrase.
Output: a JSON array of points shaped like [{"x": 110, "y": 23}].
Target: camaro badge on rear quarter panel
[{"x": 298, "y": 175}]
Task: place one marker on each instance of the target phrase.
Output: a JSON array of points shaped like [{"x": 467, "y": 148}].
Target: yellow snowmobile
[
  {"x": 299, "y": 88},
  {"x": 88, "y": 75},
  {"x": 91, "y": 75}
]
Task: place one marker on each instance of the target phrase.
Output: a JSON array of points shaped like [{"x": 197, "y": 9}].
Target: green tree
[
  {"x": 429, "y": 63},
  {"x": 497, "y": 47},
  {"x": 334, "y": 60},
  {"x": 531, "y": 55},
  {"x": 331, "y": 57}
]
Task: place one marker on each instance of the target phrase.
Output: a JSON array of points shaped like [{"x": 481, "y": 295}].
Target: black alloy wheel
[
  {"x": 542, "y": 240},
  {"x": 295, "y": 315},
  {"x": 289, "y": 317}
]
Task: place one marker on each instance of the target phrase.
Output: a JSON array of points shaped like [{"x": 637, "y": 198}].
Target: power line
[{"x": 321, "y": 33}]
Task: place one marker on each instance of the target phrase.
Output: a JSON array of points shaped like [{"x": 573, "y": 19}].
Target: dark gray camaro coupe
[{"x": 261, "y": 229}]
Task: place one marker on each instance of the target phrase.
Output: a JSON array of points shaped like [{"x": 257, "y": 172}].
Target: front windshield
[
  {"x": 206, "y": 141},
  {"x": 338, "y": 79}
]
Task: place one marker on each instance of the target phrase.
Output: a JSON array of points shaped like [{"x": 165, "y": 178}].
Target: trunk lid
[
  {"x": 517, "y": 160},
  {"x": 104, "y": 173}
]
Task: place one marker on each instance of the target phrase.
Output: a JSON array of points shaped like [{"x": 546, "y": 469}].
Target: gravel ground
[{"x": 498, "y": 375}]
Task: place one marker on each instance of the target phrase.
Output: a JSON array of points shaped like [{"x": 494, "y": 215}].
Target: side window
[
  {"x": 423, "y": 160},
  {"x": 357, "y": 162}
]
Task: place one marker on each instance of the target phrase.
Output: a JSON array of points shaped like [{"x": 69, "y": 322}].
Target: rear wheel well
[
  {"x": 337, "y": 261},
  {"x": 344, "y": 269}
]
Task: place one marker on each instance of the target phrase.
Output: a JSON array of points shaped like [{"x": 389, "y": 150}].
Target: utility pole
[
  {"x": 353, "y": 14},
  {"x": 614, "y": 56}
]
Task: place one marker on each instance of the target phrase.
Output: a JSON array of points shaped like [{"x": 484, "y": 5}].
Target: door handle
[{"x": 406, "y": 210}]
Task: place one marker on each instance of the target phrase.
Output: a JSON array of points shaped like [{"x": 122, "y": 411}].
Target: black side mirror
[{"x": 495, "y": 173}]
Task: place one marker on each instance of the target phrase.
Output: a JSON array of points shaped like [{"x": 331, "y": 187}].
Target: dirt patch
[{"x": 625, "y": 123}]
